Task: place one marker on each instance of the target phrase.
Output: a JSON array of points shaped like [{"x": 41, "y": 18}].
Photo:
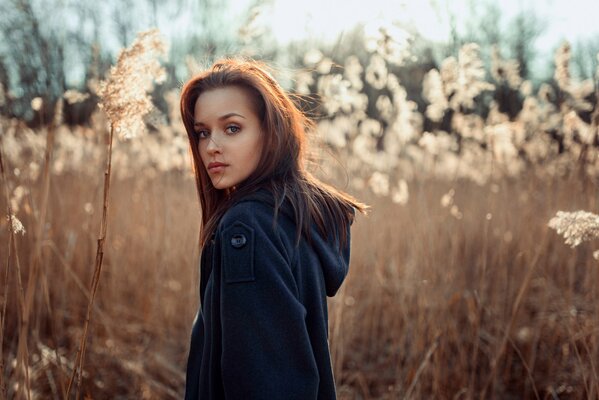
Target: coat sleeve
[{"x": 266, "y": 349}]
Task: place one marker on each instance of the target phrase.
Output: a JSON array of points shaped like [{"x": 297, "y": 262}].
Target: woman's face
[{"x": 229, "y": 135}]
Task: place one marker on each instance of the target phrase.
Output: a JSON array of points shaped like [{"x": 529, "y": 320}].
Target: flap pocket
[{"x": 237, "y": 244}]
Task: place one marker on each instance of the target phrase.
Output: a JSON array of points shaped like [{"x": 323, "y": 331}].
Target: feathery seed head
[
  {"x": 36, "y": 103},
  {"x": 379, "y": 183},
  {"x": 73, "y": 96},
  {"x": 576, "y": 227},
  {"x": 124, "y": 94},
  {"x": 447, "y": 198},
  {"x": 376, "y": 72},
  {"x": 16, "y": 225},
  {"x": 432, "y": 89},
  {"x": 400, "y": 194},
  {"x": 562, "y": 66}
]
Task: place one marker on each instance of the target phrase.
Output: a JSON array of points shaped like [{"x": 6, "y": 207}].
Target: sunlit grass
[
  {"x": 458, "y": 287},
  {"x": 421, "y": 281}
]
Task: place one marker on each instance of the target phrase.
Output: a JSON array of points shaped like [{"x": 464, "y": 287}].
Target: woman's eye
[
  {"x": 202, "y": 134},
  {"x": 233, "y": 128}
]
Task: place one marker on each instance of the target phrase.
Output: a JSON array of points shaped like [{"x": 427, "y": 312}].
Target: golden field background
[
  {"x": 457, "y": 288},
  {"x": 424, "y": 313}
]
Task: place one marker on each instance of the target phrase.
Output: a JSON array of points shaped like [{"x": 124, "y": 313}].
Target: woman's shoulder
[
  {"x": 256, "y": 208},
  {"x": 251, "y": 220}
]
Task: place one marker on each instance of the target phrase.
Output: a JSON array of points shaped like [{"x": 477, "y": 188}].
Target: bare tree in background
[
  {"x": 525, "y": 28},
  {"x": 124, "y": 21},
  {"x": 36, "y": 55},
  {"x": 483, "y": 26},
  {"x": 47, "y": 46},
  {"x": 584, "y": 57}
]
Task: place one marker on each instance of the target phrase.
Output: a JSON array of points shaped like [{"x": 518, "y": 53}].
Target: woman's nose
[{"x": 212, "y": 146}]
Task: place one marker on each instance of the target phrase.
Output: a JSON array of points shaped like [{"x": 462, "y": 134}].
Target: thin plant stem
[
  {"x": 526, "y": 367},
  {"x": 11, "y": 239},
  {"x": 2, "y": 322},
  {"x": 37, "y": 256},
  {"x": 481, "y": 314},
  {"x": 515, "y": 308},
  {"x": 422, "y": 365},
  {"x": 78, "y": 367}
]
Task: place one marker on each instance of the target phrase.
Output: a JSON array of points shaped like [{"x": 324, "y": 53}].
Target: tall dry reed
[{"x": 124, "y": 98}]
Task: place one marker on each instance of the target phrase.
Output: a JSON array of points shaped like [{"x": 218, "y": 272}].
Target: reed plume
[
  {"x": 576, "y": 227},
  {"x": 124, "y": 95},
  {"x": 124, "y": 98}
]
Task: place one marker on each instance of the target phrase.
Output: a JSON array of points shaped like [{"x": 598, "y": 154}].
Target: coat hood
[{"x": 334, "y": 263}]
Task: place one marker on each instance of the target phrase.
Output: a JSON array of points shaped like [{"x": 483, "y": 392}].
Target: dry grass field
[
  {"x": 458, "y": 288},
  {"x": 433, "y": 307}
]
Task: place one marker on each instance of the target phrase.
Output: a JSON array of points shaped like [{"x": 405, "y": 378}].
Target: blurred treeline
[{"x": 51, "y": 46}]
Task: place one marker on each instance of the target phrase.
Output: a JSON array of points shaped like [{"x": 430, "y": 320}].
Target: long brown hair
[{"x": 281, "y": 166}]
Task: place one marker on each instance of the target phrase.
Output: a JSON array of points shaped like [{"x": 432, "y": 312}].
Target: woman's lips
[
  {"x": 216, "y": 167},
  {"x": 215, "y": 170}
]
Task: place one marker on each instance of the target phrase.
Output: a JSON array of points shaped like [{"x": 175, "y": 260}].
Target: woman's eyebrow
[
  {"x": 231, "y": 115},
  {"x": 221, "y": 118}
]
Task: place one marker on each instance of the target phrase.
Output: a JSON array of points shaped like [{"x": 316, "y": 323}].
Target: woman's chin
[{"x": 220, "y": 185}]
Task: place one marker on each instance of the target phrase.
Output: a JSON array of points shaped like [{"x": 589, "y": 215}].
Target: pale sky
[{"x": 291, "y": 19}]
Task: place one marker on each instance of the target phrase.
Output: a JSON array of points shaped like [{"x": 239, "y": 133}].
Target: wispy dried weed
[
  {"x": 576, "y": 227},
  {"x": 16, "y": 224},
  {"x": 124, "y": 94}
]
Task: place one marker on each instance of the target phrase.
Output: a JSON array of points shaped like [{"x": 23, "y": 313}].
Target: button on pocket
[
  {"x": 238, "y": 240},
  {"x": 238, "y": 253}
]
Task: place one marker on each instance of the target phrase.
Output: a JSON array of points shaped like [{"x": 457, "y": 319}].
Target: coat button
[{"x": 238, "y": 240}]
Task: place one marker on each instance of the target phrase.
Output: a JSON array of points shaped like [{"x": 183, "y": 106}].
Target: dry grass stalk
[
  {"x": 78, "y": 369},
  {"x": 423, "y": 365},
  {"x": 516, "y": 306},
  {"x": 21, "y": 297},
  {"x": 26, "y": 299},
  {"x": 124, "y": 99}
]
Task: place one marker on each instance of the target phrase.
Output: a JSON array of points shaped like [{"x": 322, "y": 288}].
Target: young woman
[{"x": 274, "y": 239}]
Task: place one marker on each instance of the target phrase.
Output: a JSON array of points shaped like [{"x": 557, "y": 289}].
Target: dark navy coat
[{"x": 262, "y": 329}]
